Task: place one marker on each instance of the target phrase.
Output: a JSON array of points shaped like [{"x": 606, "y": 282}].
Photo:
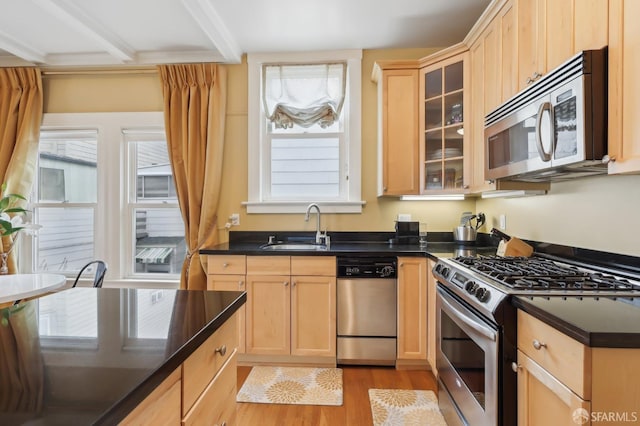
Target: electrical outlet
[
  {"x": 235, "y": 219},
  {"x": 503, "y": 222}
]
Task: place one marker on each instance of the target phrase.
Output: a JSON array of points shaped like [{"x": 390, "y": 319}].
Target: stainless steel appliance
[
  {"x": 476, "y": 326},
  {"x": 555, "y": 129},
  {"x": 366, "y": 312}
]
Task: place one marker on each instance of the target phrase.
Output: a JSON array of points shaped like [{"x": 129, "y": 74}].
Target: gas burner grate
[{"x": 526, "y": 273}]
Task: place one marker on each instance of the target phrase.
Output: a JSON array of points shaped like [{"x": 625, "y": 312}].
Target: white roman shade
[{"x": 303, "y": 94}]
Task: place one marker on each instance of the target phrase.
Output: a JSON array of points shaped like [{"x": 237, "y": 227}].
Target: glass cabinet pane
[
  {"x": 453, "y": 108},
  {"x": 433, "y": 145},
  {"x": 433, "y": 84},
  {"x": 433, "y": 176},
  {"x": 453, "y": 77},
  {"x": 453, "y": 142},
  {"x": 433, "y": 113}
]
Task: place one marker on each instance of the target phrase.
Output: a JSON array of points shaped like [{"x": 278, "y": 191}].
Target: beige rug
[
  {"x": 292, "y": 385},
  {"x": 394, "y": 407}
]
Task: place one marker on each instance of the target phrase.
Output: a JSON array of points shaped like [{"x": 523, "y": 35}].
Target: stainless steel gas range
[{"x": 476, "y": 326}]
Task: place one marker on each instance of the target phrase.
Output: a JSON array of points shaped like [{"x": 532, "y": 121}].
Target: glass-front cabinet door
[{"x": 444, "y": 107}]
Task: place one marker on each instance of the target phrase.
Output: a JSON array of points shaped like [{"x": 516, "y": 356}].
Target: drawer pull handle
[
  {"x": 538, "y": 345},
  {"x": 225, "y": 264},
  {"x": 221, "y": 350},
  {"x": 240, "y": 283},
  {"x": 515, "y": 367},
  {"x": 286, "y": 283}
]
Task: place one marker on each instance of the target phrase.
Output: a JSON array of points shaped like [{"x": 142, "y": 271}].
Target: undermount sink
[{"x": 294, "y": 246}]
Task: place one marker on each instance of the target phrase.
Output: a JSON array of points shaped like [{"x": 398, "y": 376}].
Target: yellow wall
[{"x": 597, "y": 213}]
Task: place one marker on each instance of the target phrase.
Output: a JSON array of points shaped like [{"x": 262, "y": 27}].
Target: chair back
[{"x": 98, "y": 278}]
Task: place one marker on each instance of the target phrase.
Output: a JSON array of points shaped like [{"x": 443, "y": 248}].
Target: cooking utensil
[
  {"x": 480, "y": 220},
  {"x": 464, "y": 234}
]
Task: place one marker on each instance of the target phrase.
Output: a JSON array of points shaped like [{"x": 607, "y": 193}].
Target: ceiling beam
[
  {"x": 20, "y": 49},
  {"x": 76, "y": 18},
  {"x": 203, "y": 12}
]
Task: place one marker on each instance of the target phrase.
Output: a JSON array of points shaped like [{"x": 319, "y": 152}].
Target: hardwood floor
[{"x": 355, "y": 409}]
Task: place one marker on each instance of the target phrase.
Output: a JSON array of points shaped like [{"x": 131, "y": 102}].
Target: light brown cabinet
[
  {"x": 432, "y": 337},
  {"x": 227, "y": 273},
  {"x": 412, "y": 310},
  {"x": 560, "y": 378},
  {"x": 443, "y": 109},
  {"x": 291, "y": 305},
  {"x": 200, "y": 391},
  {"x": 624, "y": 86},
  {"x": 551, "y": 31},
  {"x": 397, "y": 128}
]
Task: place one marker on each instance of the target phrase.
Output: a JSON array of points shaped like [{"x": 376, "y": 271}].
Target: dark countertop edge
[
  {"x": 593, "y": 340},
  {"x": 121, "y": 409}
]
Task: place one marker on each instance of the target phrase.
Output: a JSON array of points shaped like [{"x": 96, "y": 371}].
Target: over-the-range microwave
[{"x": 555, "y": 129}]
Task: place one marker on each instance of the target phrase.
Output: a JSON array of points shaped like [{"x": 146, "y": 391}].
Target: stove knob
[
  {"x": 471, "y": 287},
  {"x": 482, "y": 294},
  {"x": 445, "y": 271},
  {"x": 438, "y": 268}
]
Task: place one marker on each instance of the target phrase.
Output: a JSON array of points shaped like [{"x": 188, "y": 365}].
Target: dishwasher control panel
[{"x": 367, "y": 267}]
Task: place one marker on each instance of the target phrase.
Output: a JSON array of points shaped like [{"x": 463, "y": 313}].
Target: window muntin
[
  {"x": 264, "y": 197},
  {"x": 66, "y": 193},
  {"x": 158, "y": 243}
]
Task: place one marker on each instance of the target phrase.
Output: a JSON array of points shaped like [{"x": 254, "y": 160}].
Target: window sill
[{"x": 267, "y": 207}]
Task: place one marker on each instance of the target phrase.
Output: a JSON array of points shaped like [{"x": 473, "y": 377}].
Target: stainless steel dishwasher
[{"x": 367, "y": 310}]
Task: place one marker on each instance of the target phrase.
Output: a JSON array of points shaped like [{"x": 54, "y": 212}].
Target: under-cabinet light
[
  {"x": 442, "y": 197},
  {"x": 513, "y": 193}
]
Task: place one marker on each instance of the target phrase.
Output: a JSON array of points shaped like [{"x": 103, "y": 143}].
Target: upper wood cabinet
[
  {"x": 624, "y": 87},
  {"x": 397, "y": 128},
  {"x": 551, "y": 31},
  {"x": 444, "y": 106}
]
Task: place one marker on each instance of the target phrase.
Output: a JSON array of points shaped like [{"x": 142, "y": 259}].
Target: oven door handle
[{"x": 468, "y": 320}]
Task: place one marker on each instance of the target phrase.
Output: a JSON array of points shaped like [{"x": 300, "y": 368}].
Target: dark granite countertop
[
  {"x": 605, "y": 322},
  {"x": 89, "y": 356},
  {"x": 439, "y": 244}
]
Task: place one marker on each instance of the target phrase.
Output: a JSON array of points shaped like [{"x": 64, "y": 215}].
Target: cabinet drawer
[
  {"x": 200, "y": 368},
  {"x": 268, "y": 265},
  {"x": 565, "y": 358},
  {"x": 225, "y": 282},
  {"x": 313, "y": 265},
  {"x": 227, "y": 264},
  {"x": 217, "y": 404},
  {"x": 161, "y": 407}
]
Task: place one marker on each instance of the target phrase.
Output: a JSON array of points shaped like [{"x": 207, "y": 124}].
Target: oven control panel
[{"x": 469, "y": 285}]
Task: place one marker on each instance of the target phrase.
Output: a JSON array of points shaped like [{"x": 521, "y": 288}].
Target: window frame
[
  {"x": 259, "y": 172},
  {"x": 112, "y": 238}
]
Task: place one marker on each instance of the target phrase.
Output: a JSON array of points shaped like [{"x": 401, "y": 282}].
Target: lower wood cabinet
[
  {"x": 562, "y": 381},
  {"x": 162, "y": 407},
  {"x": 291, "y": 309},
  {"x": 432, "y": 332},
  {"x": 412, "y": 309},
  {"x": 201, "y": 391}
]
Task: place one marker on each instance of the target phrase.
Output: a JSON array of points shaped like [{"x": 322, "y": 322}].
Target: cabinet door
[
  {"x": 624, "y": 86},
  {"x": 268, "y": 314},
  {"x": 412, "y": 308},
  {"x": 530, "y": 46},
  {"x": 231, "y": 283},
  {"x": 443, "y": 128},
  {"x": 508, "y": 21},
  {"x": 398, "y": 103},
  {"x": 432, "y": 337},
  {"x": 544, "y": 400},
  {"x": 313, "y": 316},
  {"x": 491, "y": 41}
]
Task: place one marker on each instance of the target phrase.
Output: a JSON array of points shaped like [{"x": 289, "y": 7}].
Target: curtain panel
[
  {"x": 21, "y": 107},
  {"x": 303, "y": 94},
  {"x": 194, "y": 113}
]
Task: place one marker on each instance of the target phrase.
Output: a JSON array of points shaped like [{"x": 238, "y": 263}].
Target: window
[
  {"x": 298, "y": 156},
  {"x": 105, "y": 190}
]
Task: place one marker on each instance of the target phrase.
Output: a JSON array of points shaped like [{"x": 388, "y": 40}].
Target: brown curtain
[
  {"x": 194, "y": 113},
  {"x": 21, "y": 104}
]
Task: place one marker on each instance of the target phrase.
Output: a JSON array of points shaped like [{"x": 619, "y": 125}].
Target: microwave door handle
[{"x": 545, "y": 106}]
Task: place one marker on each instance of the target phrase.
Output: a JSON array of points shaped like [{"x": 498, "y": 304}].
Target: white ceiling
[{"x": 70, "y": 33}]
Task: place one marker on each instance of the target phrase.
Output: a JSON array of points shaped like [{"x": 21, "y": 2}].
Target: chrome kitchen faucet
[{"x": 320, "y": 237}]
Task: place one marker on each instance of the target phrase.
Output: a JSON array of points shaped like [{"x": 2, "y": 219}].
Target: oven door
[{"x": 467, "y": 362}]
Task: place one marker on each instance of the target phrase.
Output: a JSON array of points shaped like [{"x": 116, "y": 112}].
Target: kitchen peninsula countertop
[{"x": 90, "y": 356}]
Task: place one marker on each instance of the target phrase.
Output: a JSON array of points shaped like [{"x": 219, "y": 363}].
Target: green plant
[{"x": 10, "y": 213}]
